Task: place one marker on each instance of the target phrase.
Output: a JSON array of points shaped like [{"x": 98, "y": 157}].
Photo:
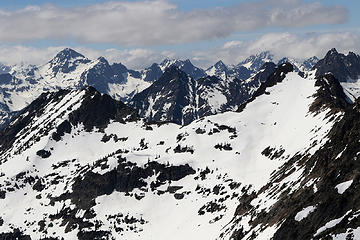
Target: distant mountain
[
  {"x": 309, "y": 64},
  {"x": 252, "y": 64},
  {"x": 178, "y": 98},
  {"x": 219, "y": 69},
  {"x": 21, "y": 84},
  {"x": 78, "y": 164},
  {"x": 67, "y": 70},
  {"x": 344, "y": 68},
  {"x": 223, "y": 71},
  {"x": 255, "y": 62},
  {"x": 155, "y": 71},
  {"x": 301, "y": 66}
]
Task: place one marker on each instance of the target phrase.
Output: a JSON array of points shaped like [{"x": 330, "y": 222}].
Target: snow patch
[
  {"x": 342, "y": 187},
  {"x": 330, "y": 224},
  {"x": 304, "y": 213}
]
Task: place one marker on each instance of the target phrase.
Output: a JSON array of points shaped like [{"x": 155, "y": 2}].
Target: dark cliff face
[
  {"x": 190, "y": 69},
  {"x": 167, "y": 97},
  {"x": 153, "y": 73},
  {"x": 343, "y": 67},
  {"x": 329, "y": 95},
  {"x": 5, "y": 78},
  {"x": 98, "y": 109}
]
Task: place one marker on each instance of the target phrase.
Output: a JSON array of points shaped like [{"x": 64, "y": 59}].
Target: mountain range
[
  {"x": 198, "y": 154},
  {"x": 21, "y": 84}
]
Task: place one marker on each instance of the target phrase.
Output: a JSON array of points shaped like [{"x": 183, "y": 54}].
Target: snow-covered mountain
[
  {"x": 155, "y": 71},
  {"x": 77, "y": 164},
  {"x": 255, "y": 62},
  {"x": 252, "y": 64},
  {"x": 178, "y": 98},
  {"x": 88, "y": 168},
  {"x": 345, "y": 68},
  {"x": 224, "y": 72},
  {"x": 67, "y": 70},
  {"x": 21, "y": 84}
]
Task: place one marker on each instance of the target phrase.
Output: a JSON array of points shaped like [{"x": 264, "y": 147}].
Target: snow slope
[{"x": 217, "y": 161}]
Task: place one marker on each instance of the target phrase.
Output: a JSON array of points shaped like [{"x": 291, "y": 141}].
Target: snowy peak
[
  {"x": 66, "y": 61},
  {"x": 309, "y": 63},
  {"x": 343, "y": 67},
  {"x": 219, "y": 69},
  {"x": 220, "y": 65},
  {"x": 255, "y": 62},
  {"x": 67, "y": 54},
  {"x": 184, "y": 65}
]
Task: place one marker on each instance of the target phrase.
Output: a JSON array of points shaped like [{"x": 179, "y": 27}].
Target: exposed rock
[{"x": 343, "y": 67}]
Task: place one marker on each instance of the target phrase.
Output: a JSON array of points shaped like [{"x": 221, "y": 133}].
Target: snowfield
[{"x": 231, "y": 153}]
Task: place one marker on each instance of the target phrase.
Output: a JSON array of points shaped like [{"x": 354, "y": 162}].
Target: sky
[{"x": 140, "y": 32}]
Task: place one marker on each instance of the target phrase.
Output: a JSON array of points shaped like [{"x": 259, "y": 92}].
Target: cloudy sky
[{"x": 139, "y": 32}]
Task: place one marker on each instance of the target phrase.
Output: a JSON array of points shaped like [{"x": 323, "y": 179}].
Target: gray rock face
[
  {"x": 343, "y": 67},
  {"x": 166, "y": 98}
]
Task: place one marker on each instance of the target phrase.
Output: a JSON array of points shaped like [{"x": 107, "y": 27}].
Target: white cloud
[
  {"x": 28, "y": 55},
  {"x": 158, "y": 22},
  {"x": 133, "y": 58},
  {"x": 299, "y": 46},
  {"x": 305, "y": 46}
]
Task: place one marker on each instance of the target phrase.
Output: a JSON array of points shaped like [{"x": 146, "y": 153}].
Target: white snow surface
[
  {"x": 331, "y": 224},
  {"x": 351, "y": 89},
  {"x": 280, "y": 120},
  {"x": 355, "y": 233},
  {"x": 304, "y": 213},
  {"x": 342, "y": 187}
]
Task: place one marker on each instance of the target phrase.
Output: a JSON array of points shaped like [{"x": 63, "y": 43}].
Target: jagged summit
[
  {"x": 255, "y": 62},
  {"x": 66, "y": 61},
  {"x": 310, "y": 63},
  {"x": 67, "y": 54},
  {"x": 220, "y": 64},
  {"x": 219, "y": 69},
  {"x": 343, "y": 67},
  {"x": 332, "y": 51}
]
